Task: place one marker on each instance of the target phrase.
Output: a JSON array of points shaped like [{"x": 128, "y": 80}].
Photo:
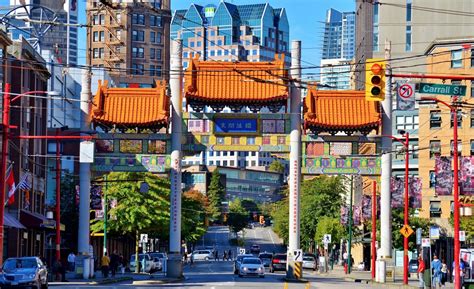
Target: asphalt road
[{"x": 219, "y": 275}]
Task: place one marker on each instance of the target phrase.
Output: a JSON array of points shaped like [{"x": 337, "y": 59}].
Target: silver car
[
  {"x": 24, "y": 272},
  {"x": 309, "y": 262}
]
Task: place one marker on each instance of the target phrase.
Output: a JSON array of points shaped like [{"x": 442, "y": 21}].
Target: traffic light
[
  {"x": 375, "y": 80},
  {"x": 262, "y": 220}
]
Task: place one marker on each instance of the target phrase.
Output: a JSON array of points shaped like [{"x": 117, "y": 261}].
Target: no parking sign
[{"x": 405, "y": 95}]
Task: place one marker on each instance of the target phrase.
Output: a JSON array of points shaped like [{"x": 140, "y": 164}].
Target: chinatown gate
[{"x": 138, "y": 135}]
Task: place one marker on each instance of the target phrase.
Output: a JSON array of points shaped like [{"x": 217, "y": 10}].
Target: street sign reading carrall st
[{"x": 442, "y": 89}]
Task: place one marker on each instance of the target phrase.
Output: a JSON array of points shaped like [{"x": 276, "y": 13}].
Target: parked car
[
  {"x": 202, "y": 255},
  {"x": 413, "y": 266},
  {"x": 145, "y": 261},
  {"x": 251, "y": 266},
  {"x": 309, "y": 262},
  {"x": 278, "y": 263},
  {"x": 266, "y": 258},
  {"x": 159, "y": 259},
  {"x": 238, "y": 261},
  {"x": 255, "y": 249},
  {"x": 24, "y": 272}
]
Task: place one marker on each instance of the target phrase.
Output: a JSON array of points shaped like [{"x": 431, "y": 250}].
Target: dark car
[
  {"x": 413, "y": 266},
  {"x": 278, "y": 263},
  {"x": 255, "y": 249},
  {"x": 24, "y": 272},
  {"x": 238, "y": 262},
  {"x": 266, "y": 258}
]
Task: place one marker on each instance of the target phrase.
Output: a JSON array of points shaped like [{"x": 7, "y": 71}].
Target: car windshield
[
  {"x": 157, "y": 255},
  {"x": 308, "y": 259},
  {"x": 280, "y": 257},
  {"x": 251, "y": 261},
  {"x": 13, "y": 264},
  {"x": 266, "y": 256}
]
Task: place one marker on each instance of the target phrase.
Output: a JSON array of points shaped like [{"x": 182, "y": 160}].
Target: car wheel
[{"x": 271, "y": 270}]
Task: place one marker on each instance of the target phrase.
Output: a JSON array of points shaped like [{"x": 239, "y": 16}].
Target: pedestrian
[
  {"x": 216, "y": 255},
  {"x": 436, "y": 267},
  {"x": 444, "y": 272},
  {"x": 114, "y": 262},
  {"x": 224, "y": 257},
  {"x": 104, "y": 265},
  {"x": 122, "y": 263},
  {"x": 421, "y": 271},
  {"x": 230, "y": 254},
  {"x": 71, "y": 259},
  {"x": 185, "y": 258},
  {"x": 462, "y": 266}
]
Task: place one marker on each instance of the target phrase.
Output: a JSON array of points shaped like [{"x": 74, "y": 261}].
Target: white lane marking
[{"x": 271, "y": 237}]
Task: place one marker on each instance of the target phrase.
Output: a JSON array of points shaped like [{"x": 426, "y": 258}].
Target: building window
[
  {"x": 414, "y": 151},
  {"x": 198, "y": 44},
  {"x": 435, "y": 148},
  {"x": 472, "y": 88},
  {"x": 456, "y": 58},
  {"x": 432, "y": 179},
  {"x": 191, "y": 44},
  {"x": 459, "y": 147},
  {"x": 99, "y": 19},
  {"x": 152, "y": 53},
  {"x": 266, "y": 140},
  {"x": 152, "y": 37},
  {"x": 155, "y": 21},
  {"x": 472, "y": 59},
  {"x": 138, "y": 69},
  {"x": 138, "y": 35},
  {"x": 435, "y": 119},
  {"x": 250, "y": 140},
  {"x": 138, "y": 19},
  {"x": 408, "y": 38},
  {"x": 235, "y": 140},
  {"x": 138, "y": 52},
  {"x": 99, "y": 36},
  {"x": 472, "y": 117},
  {"x": 409, "y": 3},
  {"x": 459, "y": 118},
  {"x": 281, "y": 140},
  {"x": 400, "y": 152},
  {"x": 98, "y": 52},
  {"x": 158, "y": 54},
  {"x": 152, "y": 70},
  {"x": 219, "y": 52},
  {"x": 220, "y": 140},
  {"x": 435, "y": 209}
]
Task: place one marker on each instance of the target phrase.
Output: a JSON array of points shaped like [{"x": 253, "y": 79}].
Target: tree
[
  {"x": 216, "y": 195},
  {"x": 194, "y": 213},
  {"x": 135, "y": 211},
  {"x": 238, "y": 216},
  {"x": 466, "y": 223},
  {"x": 276, "y": 166},
  {"x": 250, "y": 206},
  {"x": 320, "y": 197},
  {"x": 332, "y": 226}
]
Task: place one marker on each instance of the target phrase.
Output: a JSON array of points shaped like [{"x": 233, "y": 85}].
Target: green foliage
[
  {"x": 238, "y": 216},
  {"x": 320, "y": 197},
  {"x": 216, "y": 195},
  {"x": 250, "y": 206},
  {"x": 194, "y": 207},
  {"x": 276, "y": 166},
  {"x": 414, "y": 222},
  {"x": 136, "y": 211},
  {"x": 466, "y": 223},
  {"x": 332, "y": 226}
]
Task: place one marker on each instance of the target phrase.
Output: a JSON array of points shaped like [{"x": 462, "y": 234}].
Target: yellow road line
[
  {"x": 286, "y": 285},
  {"x": 308, "y": 285}
]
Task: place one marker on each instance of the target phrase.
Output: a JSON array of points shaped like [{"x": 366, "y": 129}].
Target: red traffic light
[
  {"x": 376, "y": 69},
  {"x": 375, "y": 80}
]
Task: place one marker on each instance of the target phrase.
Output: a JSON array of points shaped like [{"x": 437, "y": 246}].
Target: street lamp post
[
  {"x": 454, "y": 114},
  {"x": 406, "y": 144}
]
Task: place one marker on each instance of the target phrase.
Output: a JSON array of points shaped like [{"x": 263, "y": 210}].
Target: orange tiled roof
[
  {"x": 346, "y": 111},
  {"x": 236, "y": 82},
  {"x": 131, "y": 107}
]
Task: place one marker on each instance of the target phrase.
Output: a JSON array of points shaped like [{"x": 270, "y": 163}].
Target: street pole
[
  {"x": 175, "y": 266},
  {"x": 457, "y": 278},
  {"x": 374, "y": 226},
  {"x": 386, "y": 166},
  {"x": 58, "y": 198},
  {"x": 349, "y": 245},
  {"x": 85, "y": 182},
  {"x": 405, "y": 219},
  {"x": 295, "y": 163},
  {"x": 105, "y": 215},
  {"x": 3, "y": 169}
]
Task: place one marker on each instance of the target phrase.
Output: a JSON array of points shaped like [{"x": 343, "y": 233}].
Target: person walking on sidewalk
[
  {"x": 71, "y": 259},
  {"x": 444, "y": 273},
  {"x": 436, "y": 267},
  {"x": 421, "y": 271},
  {"x": 114, "y": 262},
  {"x": 229, "y": 254},
  {"x": 104, "y": 265},
  {"x": 216, "y": 255}
]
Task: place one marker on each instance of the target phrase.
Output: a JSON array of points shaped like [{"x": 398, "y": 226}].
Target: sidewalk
[
  {"x": 98, "y": 279},
  {"x": 366, "y": 278}
]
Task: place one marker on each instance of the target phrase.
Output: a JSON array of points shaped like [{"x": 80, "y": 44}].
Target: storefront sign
[{"x": 235, "y": 125}]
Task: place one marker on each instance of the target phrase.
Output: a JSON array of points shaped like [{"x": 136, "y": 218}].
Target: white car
[
  {"x": 309, "y": 263},
  {"x": 252, "y": 267},
  {"x": 145, "y": 262},
  {"x": 202, "y": 255},
  {"x": 159, "y": 259}
]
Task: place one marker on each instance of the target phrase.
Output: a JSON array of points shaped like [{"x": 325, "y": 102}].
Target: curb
[
  {"x": 385, "y": 285},
  {"x": 158, "y": 282}
]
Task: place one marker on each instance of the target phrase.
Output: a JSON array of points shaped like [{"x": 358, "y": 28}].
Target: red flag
[{"x": 12, "y": 187}]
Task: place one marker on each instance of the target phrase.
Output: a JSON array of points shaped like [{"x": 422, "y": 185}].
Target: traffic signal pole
[{"x": 175, "y": 266}]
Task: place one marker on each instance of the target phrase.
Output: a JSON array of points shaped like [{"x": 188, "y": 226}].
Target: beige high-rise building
[{"x": 130, "y": 39}]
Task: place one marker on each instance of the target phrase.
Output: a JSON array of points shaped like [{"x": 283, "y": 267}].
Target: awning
[
  {"x": 12, "y": 222},
  {"x": 35, "y": 220}
]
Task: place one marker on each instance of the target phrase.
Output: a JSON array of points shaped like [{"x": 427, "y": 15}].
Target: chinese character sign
[
  {"x": 235, "y": 125},
  {"x": 444, "y": 176}
]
